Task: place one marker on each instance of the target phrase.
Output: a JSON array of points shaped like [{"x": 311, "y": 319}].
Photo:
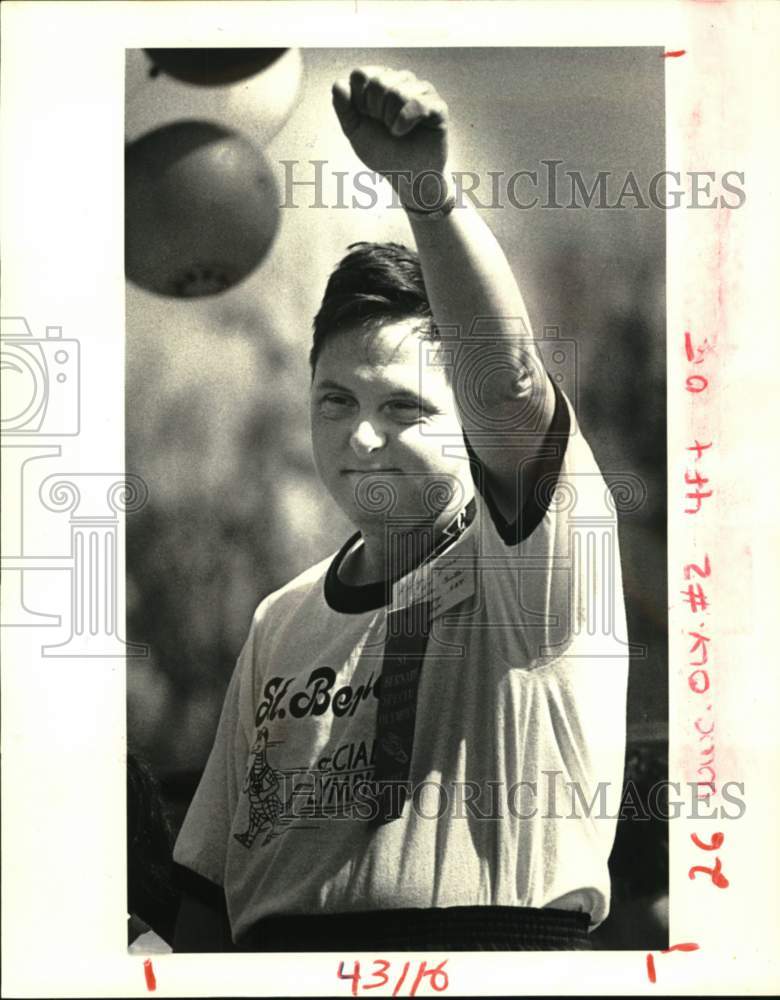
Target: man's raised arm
[{"x": 398, "y": 126}]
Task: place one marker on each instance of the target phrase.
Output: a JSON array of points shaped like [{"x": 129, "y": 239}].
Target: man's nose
[{"x": 366, "y": 438}]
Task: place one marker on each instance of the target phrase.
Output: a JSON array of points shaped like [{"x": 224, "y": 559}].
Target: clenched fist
[{"x": 397, "y": 125}]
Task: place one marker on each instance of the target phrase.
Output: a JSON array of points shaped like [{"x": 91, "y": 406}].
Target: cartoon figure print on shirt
[{"x": 261, "y": 784}]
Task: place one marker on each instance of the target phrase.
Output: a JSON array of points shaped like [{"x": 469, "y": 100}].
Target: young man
[{"x": 422, "y": 743}]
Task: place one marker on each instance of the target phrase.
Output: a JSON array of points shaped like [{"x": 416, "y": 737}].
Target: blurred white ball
[{"x": 257, "y": 106}]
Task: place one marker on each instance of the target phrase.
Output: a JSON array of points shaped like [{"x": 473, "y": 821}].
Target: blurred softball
[
  {"x": 257, "y": 105},
  {"x": 201, "y": 209}
]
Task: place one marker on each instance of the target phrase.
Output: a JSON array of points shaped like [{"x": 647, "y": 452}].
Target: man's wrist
[
  {"x": 429, "y": 193},
  {"x": 440, "y": 212}
]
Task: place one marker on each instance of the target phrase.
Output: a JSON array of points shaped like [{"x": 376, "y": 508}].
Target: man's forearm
[
  {"x": 471, "y": 286},
  {"x": 466, "y": 272}
]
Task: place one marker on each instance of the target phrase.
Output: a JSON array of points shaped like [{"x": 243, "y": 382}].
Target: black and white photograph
[
  {"x": 388, "y": 571},
  {"x": 396, "y": 386}
]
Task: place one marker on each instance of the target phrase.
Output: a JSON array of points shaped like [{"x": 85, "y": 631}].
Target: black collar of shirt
[{"x": 354, "y": 599}]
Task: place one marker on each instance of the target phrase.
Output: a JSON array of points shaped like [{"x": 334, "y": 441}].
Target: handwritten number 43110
[{"x": 439, "y": 980}]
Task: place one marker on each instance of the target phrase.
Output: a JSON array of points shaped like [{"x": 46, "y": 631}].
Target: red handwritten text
[{"x": 380, "y": 976}]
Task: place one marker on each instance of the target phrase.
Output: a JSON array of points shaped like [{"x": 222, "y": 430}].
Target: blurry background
[{"x": 216, "y": 387}]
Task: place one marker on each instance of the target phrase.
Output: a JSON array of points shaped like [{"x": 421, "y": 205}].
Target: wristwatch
[{"x": 434, "y": 213}]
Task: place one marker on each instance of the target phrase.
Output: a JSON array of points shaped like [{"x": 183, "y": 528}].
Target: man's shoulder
[{"x": 306, "y": 587}]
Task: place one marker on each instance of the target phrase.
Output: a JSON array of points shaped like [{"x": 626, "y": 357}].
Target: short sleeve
[
  {"x": 203, "y": 840},
  {"x": 546, "y": 468},
  {"x": 550, "y": 581}
]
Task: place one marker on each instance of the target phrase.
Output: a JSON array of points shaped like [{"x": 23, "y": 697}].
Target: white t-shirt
[{"x": 522, "y": 692}]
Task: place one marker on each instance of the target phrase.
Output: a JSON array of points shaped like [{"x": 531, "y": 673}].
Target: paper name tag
[{"x": 444, "y": 583}]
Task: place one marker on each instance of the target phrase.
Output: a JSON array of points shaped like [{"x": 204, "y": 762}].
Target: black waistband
[{"x": 452, "y": 928}]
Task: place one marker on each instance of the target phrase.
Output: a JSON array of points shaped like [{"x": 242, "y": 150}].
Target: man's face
[{"x": 379, "y": 428}]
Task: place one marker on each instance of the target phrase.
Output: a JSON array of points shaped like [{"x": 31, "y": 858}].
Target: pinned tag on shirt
[{"x": 444, "y": 583}]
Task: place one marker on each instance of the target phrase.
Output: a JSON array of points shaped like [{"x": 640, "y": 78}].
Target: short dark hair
[{"x": 373, "y": 283}]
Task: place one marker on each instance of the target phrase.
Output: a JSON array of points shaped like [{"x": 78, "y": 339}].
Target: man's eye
[
  {"x": 406, "y": 411},
  {"x": 334, "y": 403}
]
